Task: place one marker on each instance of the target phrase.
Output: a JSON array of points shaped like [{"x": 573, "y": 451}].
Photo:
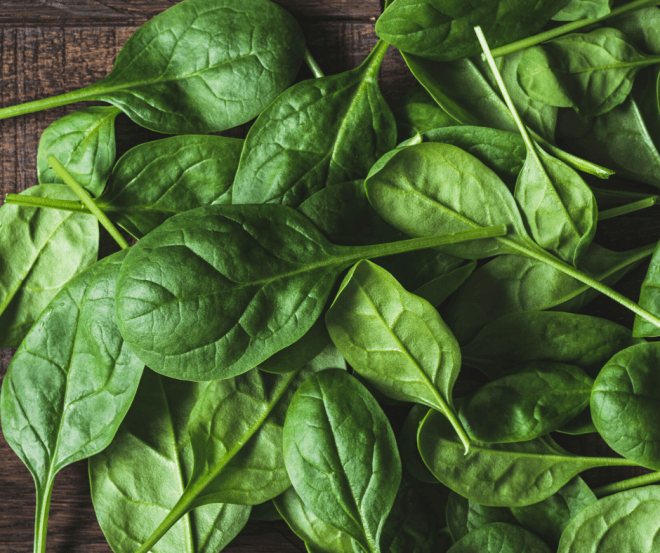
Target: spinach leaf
[
  {"x": 530, "y": 401},
  {"x": 440, "y": 288},
  {"x": 591, "y": 72},
  {"x": 395, "y": 340},
  {"x": 70, "y": 383},
  {"x": 348, "y": 488},
  {"x": 588, "y": 342},
  {"x": 441, "y": 30},
  {"x": 513, "y": 284},
  {"x": 641, "y": 27},
  {"x": 319, "y": 537},
  {"x": 417, "y": 112},
  {"x": 583, "y": 9},
  {"x": 84, "y": 142},
  {"x": 32, "y": 266},
  {"x": 408, "y": 449},
  {"x": 649, "y": 298},
  {"x": 265, "y": 512},
  {"x": 625, "y": 401},
  {"x": 609, "y": 198},
  {"x": 626, "y": 522},
  {"x": 500, "y": 537},
  {"x": 136, "y": 480},
  {"x": 198, "y": 67},
  {"x": 318, "y": 133},
  {"x": 156, "y": 180},
  {"x": 465, "y": 516},
  {"x": 215, "y": 291},
  {"x": 500, "y": 475},
  {"x": 582, "y": 424}
]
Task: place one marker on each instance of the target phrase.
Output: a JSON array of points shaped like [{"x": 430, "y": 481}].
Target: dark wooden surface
[{"x": 49, "y": 47}]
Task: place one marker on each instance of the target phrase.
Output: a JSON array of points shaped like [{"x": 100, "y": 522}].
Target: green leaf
[
  {"x": 265, "y": 512},
  {"x": 440, "y": 288},
  {"x": 582, "y": 424},
  {"x": 583, "y": 9},
  {"x": 649, "y": 298},
  {"x": 514, "y": 284},
  {"x": 500, "y": 537},
  {"x": 465, "y": 516},
  {"x": 417, "y": 112},
  {"x": 348, "y": 488},
  {"x": 137, "y": 480},
  {"x": 625, "y": 404},
  {"x": 591, "y": 72},
  {"x": 318, "y": 133},
  {"x": 198, "y": 67},
  {"x": 534, "y": 399},
  {"x": 442, "y": 30},
  {"x": 517, "y": 338},
  {"x": 32, "y": 265},
  {"x": 84, "y": 142},
  {"x": 408, "y": 449},
  {"x": 153, "y": 181},
  {"x": 318, "y": 536},
  {"x": 626, "y": 522},
  {"x": 215, "y": 291},
  {"x": 500, "y": 475},
  {"x": 395, "y": 340},
  {"x": 70, "y": 383}
]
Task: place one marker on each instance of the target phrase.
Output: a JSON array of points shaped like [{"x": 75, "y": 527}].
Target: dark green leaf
[
  {"x": 625, "y": 404},
  {"x": 351, "y": 489},
  {"x": 442, "y": 30},
  {"x": 531, "y": 401},
  {"x": 582, "y": 424},
  {"x": 417, "y": 112},
  {"x": 649, "y": 298},
  {"x": 266, "y": 512},
  {"x": 408, "y": 449},
  {"x": 500, "y": 537},
  {"x": 32, "y": 265},
  {"x": 440, "y": 288},
  {"x": 84, "y": 142},
  {"x": 318, "y": 133},
  {"x": 583, "y": 9},
  {"x": 156, "y": 180},
  {"x": 626, "y": 522},
  {"x": 137, "y": 480},
  {"x": 465, "y": 516}
]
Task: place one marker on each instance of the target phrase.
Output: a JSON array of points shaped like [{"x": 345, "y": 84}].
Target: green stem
[
  {"x": 50, "y": 203},
  {"x": 627, "y": 484},
  {"x": 83, "y": 94},
  {"x": 569, "y": 28},
  {"x": 574, "y": 161},
  {"x": 627, "y": 208},
  {"x": 41, "y": 517},
  {"x": 87, "y": 200},
  {"x": 311, "y": 63}
]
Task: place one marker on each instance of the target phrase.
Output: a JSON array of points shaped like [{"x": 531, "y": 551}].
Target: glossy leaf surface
[
  {"x": 625, "y": 404},
  {"x": 500, "y": 537},
  {"x": 353, "y": 490},
  {"x": 32, "y": 268},
  {"x": 534, "y": 399},
  {"x": 138, "y": 479},
  {"x": 318, "y": 133},
  {"x": 156, "y": 180},
  {"x": 84, "y": 142},
  {"x": 626, "y": 522},
  {"x": 500, "y": 475},
  {"x": 443, "y": 30}
]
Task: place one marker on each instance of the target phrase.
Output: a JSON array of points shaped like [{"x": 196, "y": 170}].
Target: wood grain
[{"x": 49, "y": 47}]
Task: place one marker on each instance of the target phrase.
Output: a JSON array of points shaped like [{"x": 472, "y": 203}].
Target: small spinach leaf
[
  {"x": 583, "y": 9},
  {"x": 440, "y": 288},
  {"x": 84, "y": 142},
  {"x": 351, "y": 489},
  {"x": 417, "y": 112},
  {"x": 500, "y": 537}
]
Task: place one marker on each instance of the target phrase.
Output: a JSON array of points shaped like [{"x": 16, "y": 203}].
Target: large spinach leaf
[
  {"x": 396, "y": 340},
  {"x": 70, "y": 383},
  {"x": 625, "y": 404},
  {"x": 500, "y": 537},
  {"x": 215, "y": 291},
  {"x": 627, "y": 522},
  {"x": 32, "y": 266},
  {"x": 318, "y": 133},
  {"x": 137, "y": 480},
  {"x": 588, "y": 342},
  {"x": 500, "y": 475},
  {"x": 442, "y": 30},
  {"x": 197, "y": 67},
  {"x": 84, "y": 142},
  {"x": 591, "y": 73},
  {"x": 350, "y": 488},
  {"x": 534, "y": 399}
]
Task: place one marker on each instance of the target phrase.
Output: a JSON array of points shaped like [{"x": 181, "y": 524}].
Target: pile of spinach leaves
[{"x": 288, "y": 296}]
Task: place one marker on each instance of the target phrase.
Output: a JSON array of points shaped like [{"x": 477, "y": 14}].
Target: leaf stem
[
  {"x": 627, "y": 208},
  {"x": 87, "y": 200},
  {"x": 83, "y": 94},
  {"x": 627, "y": 484},
  {"x": 50, "y": 203},
  {"x": 569, "y": 28},
  {"x": 313, "y": 66},
  {"x": 41, "y": 516}
]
